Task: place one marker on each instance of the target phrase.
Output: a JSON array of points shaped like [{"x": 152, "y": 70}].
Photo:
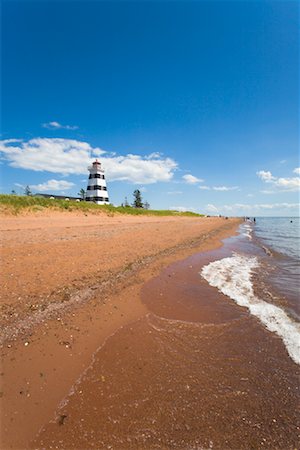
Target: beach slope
[{"x": 69, "y": 281}]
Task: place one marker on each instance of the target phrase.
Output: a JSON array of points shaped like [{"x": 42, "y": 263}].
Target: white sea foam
[
  {"x": 232, "y": 276},
  {"x": 247, "y": 231}
]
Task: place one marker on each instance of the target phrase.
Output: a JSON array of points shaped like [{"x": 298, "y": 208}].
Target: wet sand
[
  {"x": 197, "y": 372},
  {"x": 70, "y": 284}
]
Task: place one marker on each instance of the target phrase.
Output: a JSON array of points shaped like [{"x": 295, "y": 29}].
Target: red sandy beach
[{"x": 110, "y": 339}]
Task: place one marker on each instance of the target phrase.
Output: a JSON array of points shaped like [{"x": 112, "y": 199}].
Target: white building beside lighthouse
[{"x": 96, "y": 190}]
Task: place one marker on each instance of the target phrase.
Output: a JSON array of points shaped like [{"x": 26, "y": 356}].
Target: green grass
[{"x": 16, "y": 204}]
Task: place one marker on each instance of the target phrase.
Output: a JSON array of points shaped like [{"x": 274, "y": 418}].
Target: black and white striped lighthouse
[{"x": 96, "y": 190}]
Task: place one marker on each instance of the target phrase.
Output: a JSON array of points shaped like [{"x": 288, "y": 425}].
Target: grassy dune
[{"x": 15, "y": 204}]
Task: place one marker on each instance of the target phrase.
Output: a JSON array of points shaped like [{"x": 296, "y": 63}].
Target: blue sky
[{"x": 195, "y": 103}]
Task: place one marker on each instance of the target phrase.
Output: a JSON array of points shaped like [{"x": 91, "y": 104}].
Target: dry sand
[{"x": 69, "y": 281}]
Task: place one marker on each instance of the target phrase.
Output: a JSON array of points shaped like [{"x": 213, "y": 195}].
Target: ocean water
[
  {"x": 262, "y": 274},
  {"x": 281, "y": 237}
]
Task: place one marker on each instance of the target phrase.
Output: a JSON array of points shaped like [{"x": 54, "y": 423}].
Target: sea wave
[
  {"x": 246, "y": 230},
  {"x": 232, "y": 276}
]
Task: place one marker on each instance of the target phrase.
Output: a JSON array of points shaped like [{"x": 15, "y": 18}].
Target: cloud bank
[
  {"x": 52, "y": 185},
  {"x": 219, "y": 188},
  {"x": 69, "y": 156},
  {"x": 248, "y": 208},
  {"x": 280, "y": 184}
]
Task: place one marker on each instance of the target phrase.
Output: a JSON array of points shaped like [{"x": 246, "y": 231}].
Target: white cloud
[
  {"x": 265, "y": 176},
  {"x": 174, "y": 193},
  {"x": 225, "y": 188},
  {"x": 139, "y": 170},
  {"x": 52, "y": 185},
  {"x": 219, "y": 188},
  {"x": 264, "y": 209},
  {"x": 190, "y": 179},
  {"x": 69, "y": 156},
  {"x": 98, "y": 152},
  {"x": 155, "y": 155},
  {"x": 281, "y": 184},
  {"x": 11, "y": 141},
  {"x": 66, "y": 156},
  {"x": 260, "y": 206},
  {"x": 297, "y": 170},
  {"x": 289, "y": 184},
  {"x": 211, "y": 208},
  {"x": 58, "y": 126}
]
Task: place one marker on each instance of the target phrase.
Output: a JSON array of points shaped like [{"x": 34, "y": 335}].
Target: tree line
[
  {"x": 137, "y": 201},
  {"x": 137, "y": 198}
]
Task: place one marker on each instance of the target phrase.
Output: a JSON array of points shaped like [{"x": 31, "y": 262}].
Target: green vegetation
[
  {"x": 27, "y": 191},
  {"x": 137, "y": 202},
  {"x": 16, "y": 204},
  {"x": 82, "y": 194}
]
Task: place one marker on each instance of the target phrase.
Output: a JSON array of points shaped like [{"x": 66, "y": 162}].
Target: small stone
[{"x": 61, "y": 419}]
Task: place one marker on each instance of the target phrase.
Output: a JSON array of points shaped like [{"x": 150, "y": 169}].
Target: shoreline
[
  {"x": 197, "y": 371},
  {"x": 46, "y": 361}
]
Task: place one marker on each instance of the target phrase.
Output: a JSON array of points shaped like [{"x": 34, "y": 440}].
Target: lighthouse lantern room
[{"x": 96, "y": 190}]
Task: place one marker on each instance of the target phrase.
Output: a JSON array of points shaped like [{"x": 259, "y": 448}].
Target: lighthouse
[{"x": 96, "y": 190}]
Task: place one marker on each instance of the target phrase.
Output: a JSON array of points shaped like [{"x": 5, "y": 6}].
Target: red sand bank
[{"x": 68, "y": 283}]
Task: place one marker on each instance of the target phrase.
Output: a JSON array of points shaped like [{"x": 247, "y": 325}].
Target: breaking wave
[
  {"x": 246, "y": 230},
  {"x": 232, "y": 277}
]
